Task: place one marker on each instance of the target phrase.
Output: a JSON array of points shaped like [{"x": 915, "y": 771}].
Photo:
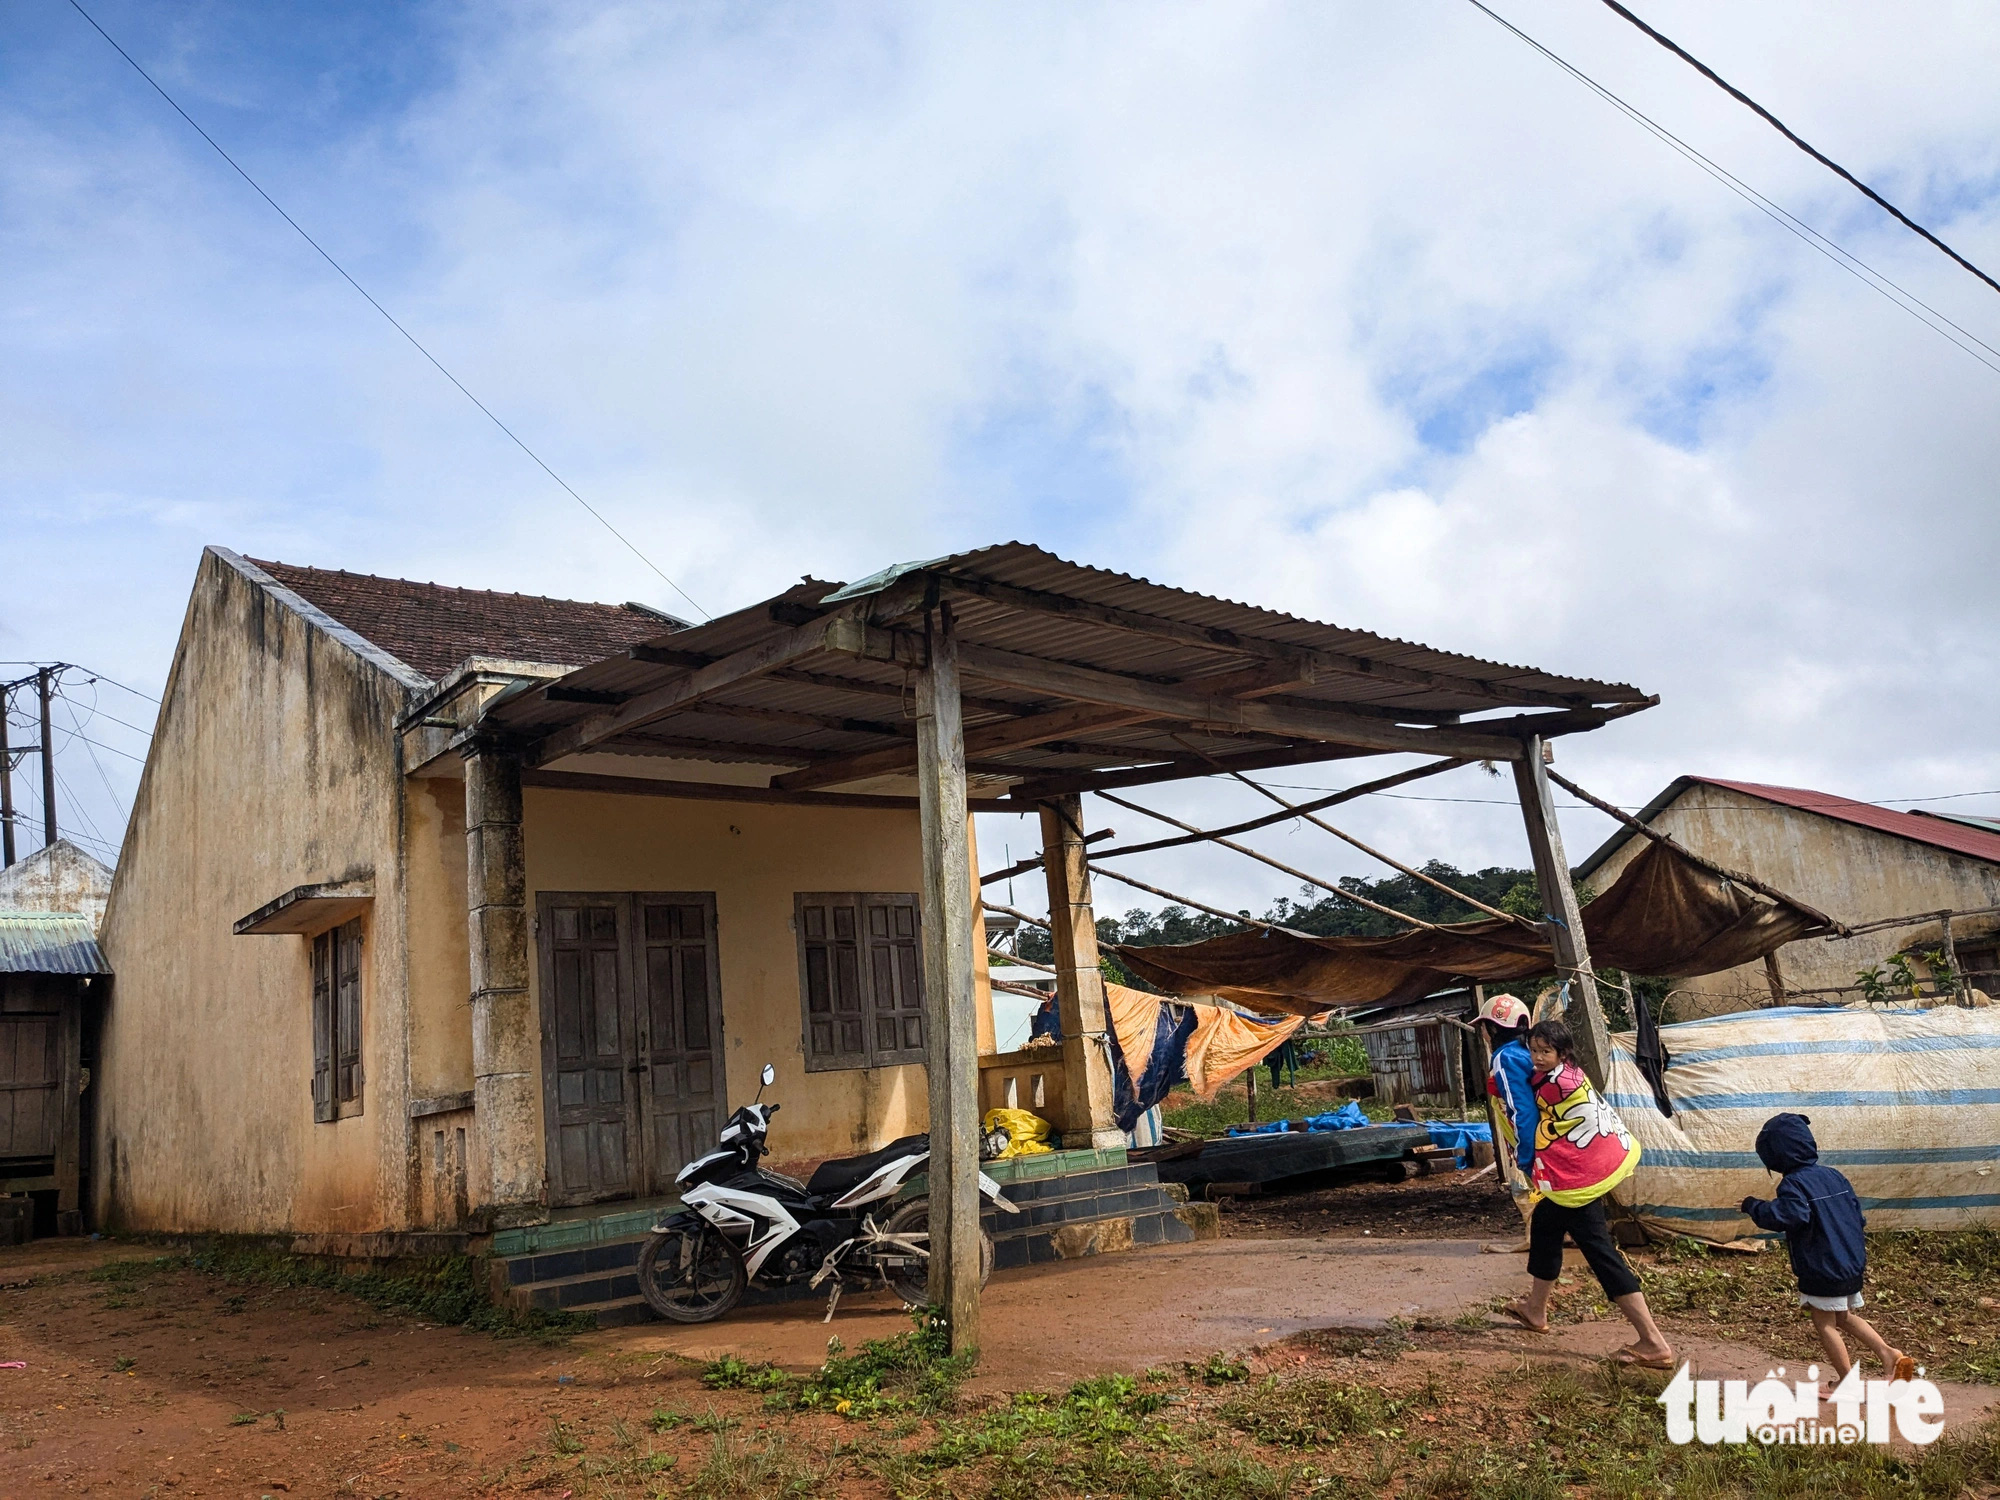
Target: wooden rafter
[
  {"x": 1330, "y": 663},
  {"x": 1200, "y": 711}
]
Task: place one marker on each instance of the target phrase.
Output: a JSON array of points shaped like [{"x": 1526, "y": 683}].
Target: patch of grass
[
  {"x": 1313, "y": 1412},
  {"x": 663, "y": 1420},
  {"x": 1104, "y": 1410},
  {"x": 450, "y": 1290},
  {"x": 911, "y": 1372},
  {"x": 780, "y": 1467},
  {"x": 1220, "y": 1369},
  {"x": 127, "y": 1272},
  {"x": 245, "y": 1419},
  {"x": 1931, "y": 1295},
  {"x": 562, "y": 1439},
  {"x": 730, "y": 1373},
  {"x": 123, "y": 1363}
]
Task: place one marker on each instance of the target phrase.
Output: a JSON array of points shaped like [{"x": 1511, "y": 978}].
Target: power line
[
  {"x": 91, "y": 672},
  {"x": 1912, "y": 304},
  {"x": 99, "y": 713},
  {"x": 414, "y": 342},
  {"x": 1789, "y": 134}
]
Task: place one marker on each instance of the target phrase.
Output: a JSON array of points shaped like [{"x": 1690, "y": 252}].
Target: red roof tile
[
  {"x": 1939, "y": 832},
  {"x": 431, "y": 628}
]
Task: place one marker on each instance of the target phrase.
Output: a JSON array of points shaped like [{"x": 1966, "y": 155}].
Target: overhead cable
[
  {"x": 415, "y": 343},
  {"x": 1912, "y": 304},
  {"x": 1791, "y": 135}
]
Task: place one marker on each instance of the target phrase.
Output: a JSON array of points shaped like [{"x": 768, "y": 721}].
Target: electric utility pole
[
  {"x": 6, "y": 790},
  {"x": 44, "y": 682}
]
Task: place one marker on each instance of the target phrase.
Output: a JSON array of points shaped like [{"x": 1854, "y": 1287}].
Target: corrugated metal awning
[
  {"x": 39, "y": 942},
  {"x": 1070, "y": 673}
]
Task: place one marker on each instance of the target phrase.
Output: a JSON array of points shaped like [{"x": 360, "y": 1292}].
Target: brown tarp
[{"x": 1664, "y": 915}]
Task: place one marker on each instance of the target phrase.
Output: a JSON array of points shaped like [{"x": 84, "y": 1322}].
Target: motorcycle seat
[{"x": 830, "y": 1179}]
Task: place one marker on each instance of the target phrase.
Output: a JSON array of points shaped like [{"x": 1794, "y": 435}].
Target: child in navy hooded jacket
[{"x": 1821, "y": 1220}]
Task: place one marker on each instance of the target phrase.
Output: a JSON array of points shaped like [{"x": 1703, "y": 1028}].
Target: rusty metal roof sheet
[
  {"x": 1020, "y": 598},
  {"x": 37, "y": 942}
]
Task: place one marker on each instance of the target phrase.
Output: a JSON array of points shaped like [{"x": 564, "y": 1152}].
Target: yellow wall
[
  {"x": 755, "y": 858},
  {"x": 273, "y": 766},
  {"x": 1853, "y": 874}
]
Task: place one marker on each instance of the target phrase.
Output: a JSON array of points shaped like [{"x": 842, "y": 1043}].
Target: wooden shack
[{"x": 50, "y": 971}]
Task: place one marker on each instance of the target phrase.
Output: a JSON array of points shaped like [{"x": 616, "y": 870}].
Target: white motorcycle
[{"x": 740, "y": 1224}]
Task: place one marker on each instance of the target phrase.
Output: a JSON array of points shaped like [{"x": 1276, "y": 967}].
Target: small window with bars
[
  {"x": 336, "y": 1022},
  {"x": 861, "y": 984}
]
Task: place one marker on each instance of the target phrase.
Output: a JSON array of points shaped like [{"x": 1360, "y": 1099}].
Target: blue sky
[{"x": 1365, "y": 312}]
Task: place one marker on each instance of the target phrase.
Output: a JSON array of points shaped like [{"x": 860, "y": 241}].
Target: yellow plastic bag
[{"x": 1027, "y": 1135}]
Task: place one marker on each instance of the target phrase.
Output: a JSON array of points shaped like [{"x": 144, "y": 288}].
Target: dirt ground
[
  {"x": 148, "y": 1378},
  {"x": 1451, "y": 1205}
]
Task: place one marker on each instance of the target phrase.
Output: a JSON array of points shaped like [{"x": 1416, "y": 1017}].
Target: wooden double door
[{"x": 632, "y": 1060}]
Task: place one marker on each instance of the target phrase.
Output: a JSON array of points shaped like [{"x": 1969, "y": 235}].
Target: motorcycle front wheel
[
  {"x": 909, "y": 1276},
  {"x": 691, "y": 1276}
]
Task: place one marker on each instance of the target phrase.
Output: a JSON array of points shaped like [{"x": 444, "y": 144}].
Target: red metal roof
[
  {"x": 431, "y": 628},
  {"x": 1940, "y": 832}
]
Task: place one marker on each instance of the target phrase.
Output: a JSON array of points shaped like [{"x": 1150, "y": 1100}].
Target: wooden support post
[
  {"x": 948, "y": 989},
  {"x": 506, "y": 1032},
  {"x": 1951, "y": 961},
  {"x": 1772, "y": 977},
  {"x": 43, "y": 684},
  {"x": 1088, "y": 1119},
  {"x": 1563, "y": 916},
  {"x": 1250, "y": 1087},
  {"x": 1454, "y": 1064}
]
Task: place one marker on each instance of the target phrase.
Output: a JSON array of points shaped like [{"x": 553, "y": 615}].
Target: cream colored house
[
  {"x": 447, "y": 910},
  {"x": 1859, "y": 863},
  {"x": 291, "y": 1045}
]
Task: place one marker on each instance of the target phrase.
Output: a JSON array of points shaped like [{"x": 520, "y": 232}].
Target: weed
[
  {"x": 914, "y": 1371},
  {"x": 123, "y": 1363},
  {"x": 126, "y": 1272},
  {"x": 562, "y": 1440},
  {"x": 1310, "y": 1412},
  {"x": 244, "y": 1419},
  {"x": 449, "y": 1290},
  {"x": 714, "y": 1421},
  {"x": 663, "y": 1420},
  {"x": 1220, "y": 1369},
  {"x": 777, "y": 1469},
  {"x": 730, "y": 1373}
]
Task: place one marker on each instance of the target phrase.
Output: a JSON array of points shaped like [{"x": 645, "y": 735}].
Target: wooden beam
[
  {"x": 1563, "y": 915},
  {"x": 1032, "y": 729},
  {"x": 1087, "y": 1106},
  {"x": 848, "y": 626},
  {"x": 1088, "y": 685},
  {"x": 1324, "y": 662},
  {"x": 1011, "y": 734},
  {"x": 666, "y": 656},
  {"x": 685, "y": 745},
  {"x": 1295, "y": 811},
  {"x": 950, "y": 1022},
  {"x": 715, "y": 791},
  {"x": 1026, "y": 794}
]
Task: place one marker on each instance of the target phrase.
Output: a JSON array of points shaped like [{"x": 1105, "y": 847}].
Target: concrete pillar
[
  {"x": 506, "y": 1036},
  {"x": 1088, "y": 1116}
]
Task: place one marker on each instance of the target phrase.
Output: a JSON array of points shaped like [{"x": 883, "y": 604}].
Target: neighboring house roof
[
  {"x": 59, "y": 878},
  {"x": 1991, "y": 825},
  {"x": 35, "y": 942},
  {"x": 431, "y": 628},
  {"x": 1960, "y": 837}
]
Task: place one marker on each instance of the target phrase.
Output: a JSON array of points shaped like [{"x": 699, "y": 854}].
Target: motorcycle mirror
[{"x": 769, "y": 1076}]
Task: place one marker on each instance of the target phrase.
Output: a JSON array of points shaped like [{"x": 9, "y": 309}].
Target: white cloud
[{"x": 1362, "y": 311}]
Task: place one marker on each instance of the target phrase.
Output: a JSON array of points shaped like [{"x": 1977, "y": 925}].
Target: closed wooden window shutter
[
  {"x": 861, "y": 980},
  {"x": 322, "y": 1026},
  {"x": 895, "y": 980},
  {"x": 832, "y": 983},
  {"x": 347, "y": 1014}
]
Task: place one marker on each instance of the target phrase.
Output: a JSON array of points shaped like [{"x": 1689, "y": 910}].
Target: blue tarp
[
  {"x": 1347, "y": 1117},
  {"x": 1457, "y": 1135},
  {"x": 1132, "y": 1097}
]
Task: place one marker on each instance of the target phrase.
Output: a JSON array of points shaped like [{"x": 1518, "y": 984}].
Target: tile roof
[
  {"x": 431, "y": 628},
  {"x": 1960, "y": 836}
]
